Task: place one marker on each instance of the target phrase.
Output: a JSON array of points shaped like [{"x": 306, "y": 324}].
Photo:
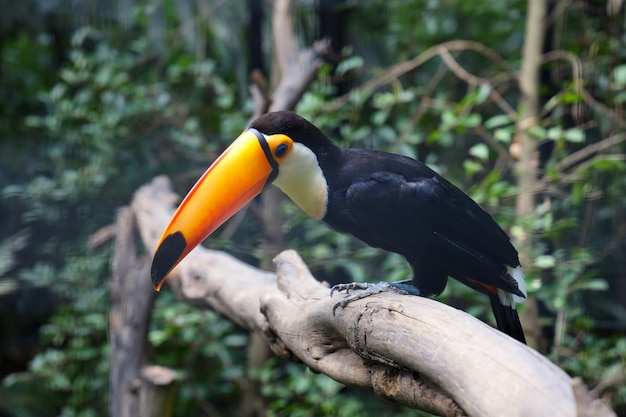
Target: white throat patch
[{"x": 302, "y": 179}]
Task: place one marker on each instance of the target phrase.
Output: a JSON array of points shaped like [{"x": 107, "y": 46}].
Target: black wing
[{"x": 409, "y": 209}]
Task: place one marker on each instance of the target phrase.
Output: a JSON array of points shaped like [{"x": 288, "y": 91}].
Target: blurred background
[{"x": 97, "y": 97}]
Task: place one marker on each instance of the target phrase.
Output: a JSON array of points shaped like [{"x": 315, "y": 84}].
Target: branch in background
[
  {"x": 392, "y": 73},
  {"x": 258, "y": 91},
  {"x": 581, "y": 159},
  {"x": 413, "y": 350},
  {"x": 296, "y": 67},
  {"x": 577, "y": 77},
  {"x": 473, "y": 80},
  {"x": 129, "y": 318},
  {"x": 422, "y": 108},
  {"x": 586, "y": 152}
]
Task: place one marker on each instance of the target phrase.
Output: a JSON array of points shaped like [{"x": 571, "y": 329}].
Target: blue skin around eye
[{"x": 280, "y": 150}]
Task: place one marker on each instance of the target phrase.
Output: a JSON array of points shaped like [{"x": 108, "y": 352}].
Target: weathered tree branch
[
  {"x": 413, "y": 350},
  {"x": 129, "y": 317},
  {"x": 156, "y": 394},
  {"x": 296, "y": 67}
]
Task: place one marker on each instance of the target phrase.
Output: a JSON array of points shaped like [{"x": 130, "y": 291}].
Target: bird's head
[{"x": 280, "y": 148}]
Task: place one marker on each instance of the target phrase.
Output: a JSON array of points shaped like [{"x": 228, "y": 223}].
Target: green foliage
[
  {"x": 75, "y": 143},
  {"x": 104, "y": 115},
  {"x": 75, "y": 365},
  {"x": 112, "y": 121},
  {"x": 294, "y": 390},
  {"x": 207, "y": 351},
  {"x": 576, "y": 348},
  {"x": 23, "y": 77}
]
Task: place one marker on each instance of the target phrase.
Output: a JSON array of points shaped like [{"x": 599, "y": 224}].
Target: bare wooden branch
[
  {"x": 472, "y": 79},
  {"x": 578, "y": 86},
  {"x": 392, "y": 73},
  {"x": 131, "y": 305},
  {"x": 156, "y": 395},
  {"x": 258, "y": 91},
  {"x": 413, "y": 350},
  {"x": 100, "y": 237},
  {"x": 297, "y": 67},
  {"x": 575, "y": 158}
]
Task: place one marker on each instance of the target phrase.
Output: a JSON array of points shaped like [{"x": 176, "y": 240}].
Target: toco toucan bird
[{"x": 388, "y": 201}]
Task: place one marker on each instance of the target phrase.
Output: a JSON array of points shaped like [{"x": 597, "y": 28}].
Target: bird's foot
[{"x": 367, "y": 289}]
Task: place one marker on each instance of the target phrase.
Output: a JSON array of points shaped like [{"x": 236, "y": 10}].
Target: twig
[
  {"x": 402, "y": 68},
  {"x": 574, "y": 162},
  {"x": 586, "y": 152},
  {"x": 471, "y": 79}
]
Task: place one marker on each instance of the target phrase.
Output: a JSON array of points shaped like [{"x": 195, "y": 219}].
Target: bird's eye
[{"x": 281, "y": 150}]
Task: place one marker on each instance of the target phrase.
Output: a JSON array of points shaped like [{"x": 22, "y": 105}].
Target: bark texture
[
  {"x": 131, "y": 306},
  {"x": 526, "y": 168}
]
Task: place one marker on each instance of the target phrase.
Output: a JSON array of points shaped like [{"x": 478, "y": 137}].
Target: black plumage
[{"x": 399, "y": 204}]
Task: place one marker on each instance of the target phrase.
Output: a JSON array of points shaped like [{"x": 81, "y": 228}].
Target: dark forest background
[{"x": 98, "y": 97}]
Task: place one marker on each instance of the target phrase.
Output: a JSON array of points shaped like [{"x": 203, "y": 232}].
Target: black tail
[{"x": 507, "y": 319}]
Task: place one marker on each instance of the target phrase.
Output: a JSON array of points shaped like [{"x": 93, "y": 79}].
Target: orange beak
[{"x": 236, "y": 177}]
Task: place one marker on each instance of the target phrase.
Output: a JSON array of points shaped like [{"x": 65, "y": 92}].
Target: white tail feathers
[{"x": 509, "y": 299}]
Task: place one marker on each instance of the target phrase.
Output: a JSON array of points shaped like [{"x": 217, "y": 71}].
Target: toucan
[{"x": 386, "y": 200}]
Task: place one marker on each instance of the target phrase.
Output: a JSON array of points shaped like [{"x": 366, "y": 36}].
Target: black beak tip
[
  {"x": 157, "y": 278},
  {"x": 166, "y": 257}
]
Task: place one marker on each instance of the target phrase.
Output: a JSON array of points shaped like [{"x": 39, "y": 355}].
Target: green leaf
[
  {"x": 407, "y": 150},
  {"x": 537, "y": 132},
  {"x": 571, "y": 97},
  {"x": 552, "y": 103},
  {"x": 405, "y": 96},
  {"x": 483, "y": 93},
  {"x": 554, "y": 133},
  {"x": 497, "y": 121},
  {"x": 619, "y": 76},
  {"x": 448, "y": 119},
  {"x": 472, "y": 120},
  {"x": 503, "y": 135},
  {"x": 596, "y": 284},
  {"x": 545, "y": 262},
  {"x": 578, "y": 193},
  {"x": 349, "y": 64},
  {"x": 480, "y": 151},
  {"x": 574, "y": 135},
  {"x": 610, "y": 164},
  {"x": 472, "y": 167}
]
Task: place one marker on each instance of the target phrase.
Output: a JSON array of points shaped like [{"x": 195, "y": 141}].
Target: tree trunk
[
  {"x": 131, "y": 305},
  {"x": 526, "y": 168},
  {"x": 156, "y": 395}
]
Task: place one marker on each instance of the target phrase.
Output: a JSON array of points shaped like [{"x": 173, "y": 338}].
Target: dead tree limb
[
  {"x": 156, "y": 395},
  {"x": 297, "y": 67},
  {"x": 129, "y": 317},
  {"x": 414, "y": 350}
]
